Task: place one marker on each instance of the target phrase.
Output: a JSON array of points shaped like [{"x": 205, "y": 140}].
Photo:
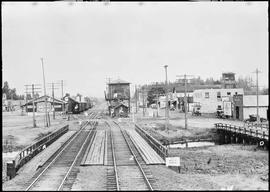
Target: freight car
[{"x": 76, "y": 107}]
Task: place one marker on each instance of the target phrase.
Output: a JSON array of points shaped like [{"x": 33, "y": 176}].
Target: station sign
[
  {"x": 41, "y": 107},
  {"x": 172, "y": 161}
]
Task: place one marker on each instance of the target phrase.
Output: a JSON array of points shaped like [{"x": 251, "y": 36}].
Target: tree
[
  {"x": 265, "y": 91},
  {"x": 152, "y": 94},
  {"x": 246, "y": 83},
  {"x": 5, "y": 89}
]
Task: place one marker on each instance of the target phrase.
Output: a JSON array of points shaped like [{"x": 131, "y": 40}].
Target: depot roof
[{"x": 42, "y": 99}]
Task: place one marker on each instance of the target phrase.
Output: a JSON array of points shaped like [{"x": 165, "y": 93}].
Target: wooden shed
[{"x": 120, "y": 110}]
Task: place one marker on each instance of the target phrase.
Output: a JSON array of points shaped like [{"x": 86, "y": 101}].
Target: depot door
[{"x": 237, "y": 112}]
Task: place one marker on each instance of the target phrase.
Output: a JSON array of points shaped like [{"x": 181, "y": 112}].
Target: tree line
[{"x": 11, "y": 93}]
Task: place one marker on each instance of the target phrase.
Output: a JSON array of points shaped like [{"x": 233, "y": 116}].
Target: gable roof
[
  {"x": 42, "y": 98},
  {"x": 120, "y": 105}
]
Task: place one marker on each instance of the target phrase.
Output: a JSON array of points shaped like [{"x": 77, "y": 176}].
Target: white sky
[{"x": 85, "y": 43}]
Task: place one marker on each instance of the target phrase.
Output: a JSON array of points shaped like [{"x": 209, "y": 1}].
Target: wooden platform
[
  {"x": 95, "y": 153},
  {"x": 149, "y": 155}
]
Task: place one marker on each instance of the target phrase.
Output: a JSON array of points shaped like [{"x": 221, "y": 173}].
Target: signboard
[
  {"x": 172, "y": 161},
  {"x": 41, "y": 107},
  {"x": 227, "y": 107}
]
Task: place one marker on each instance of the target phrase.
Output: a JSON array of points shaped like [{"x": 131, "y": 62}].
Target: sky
[{"x": 85, "y": 43}]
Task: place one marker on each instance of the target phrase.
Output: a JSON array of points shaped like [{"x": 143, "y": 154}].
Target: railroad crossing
[{"x": 119, "y": 147}]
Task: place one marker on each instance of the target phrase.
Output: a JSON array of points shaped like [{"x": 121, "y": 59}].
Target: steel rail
[
  {"x": 55, "y": 158},
  {"x": 114, "y": 161},
  {"x": 72, "y": 165},
  {"x": 132, "y": 152}
]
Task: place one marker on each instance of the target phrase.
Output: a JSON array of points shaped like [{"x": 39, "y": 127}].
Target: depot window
[
  {"x": 218, "y": 95},
  {"x": 206, "y": 94}
]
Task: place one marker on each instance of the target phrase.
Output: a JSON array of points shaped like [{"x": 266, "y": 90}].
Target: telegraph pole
[
  {"x": 53, "y": 88},
  {"x": 136, "y": 98},
  {"x": 46, "y": 117},
  {"x": 166, "y": 89},
  {"x": 34, "y": 120},
  {"x": 185, "y": 97},
  {"x": 53, "y": 100},
  {"x": 257, "y": 88},
  {"x": 33, "y": 89},
  {"x": 143, "y": 101}
]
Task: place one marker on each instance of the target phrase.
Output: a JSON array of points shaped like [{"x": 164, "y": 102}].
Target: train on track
[{"x": 76, "y": 107}]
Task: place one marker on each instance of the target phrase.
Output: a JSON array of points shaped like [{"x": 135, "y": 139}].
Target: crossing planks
[
  {"x": 95, "y": 156},
  {"x": 146, "y": 151}
]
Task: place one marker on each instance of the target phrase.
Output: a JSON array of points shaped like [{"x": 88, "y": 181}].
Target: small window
[
  {"x": 236, "y": 93},
  {"x": 218, "y": 95},
  {"x": 206, "y": 94},
  {"x": 228, "y": 93}
]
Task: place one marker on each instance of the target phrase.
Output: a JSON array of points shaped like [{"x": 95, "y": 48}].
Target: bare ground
[{"x": 216, "y": 167}]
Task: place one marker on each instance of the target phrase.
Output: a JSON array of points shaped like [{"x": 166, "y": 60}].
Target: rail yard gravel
[{"x": 91, "y": 178}]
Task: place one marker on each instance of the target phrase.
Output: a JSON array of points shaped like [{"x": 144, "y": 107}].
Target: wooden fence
[{"x": 155, "y": 144}]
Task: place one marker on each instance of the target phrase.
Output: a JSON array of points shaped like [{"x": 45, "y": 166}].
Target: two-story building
[{"x": 211, "y": 99}]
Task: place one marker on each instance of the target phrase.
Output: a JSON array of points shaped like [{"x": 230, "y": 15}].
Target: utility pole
[
  {"x": 185, "y": 100},
  {"x": 166, "y": 91},
  {"x": 185, "y": 97},
  {"x": 136, "y": 98},
  {"x": 62, "y": 91},
  {"x": 143, "y": 102},
  {"x": 33, "y": 90},
  {"x": 34, "y": 120},
  {"x": 257, "y": 88},
  {"x": 46, "y": 116},
  {"x": 53, "y": 100},
  {"x": 53, "y": 88}
]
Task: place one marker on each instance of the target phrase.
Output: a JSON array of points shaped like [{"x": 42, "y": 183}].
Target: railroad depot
[{"x": 39, "y": 103}]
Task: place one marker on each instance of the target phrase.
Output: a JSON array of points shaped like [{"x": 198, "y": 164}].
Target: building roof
[
  {"x": 120, "y": 105},
  {"x": 42, "y": 98},
  {"x": 118, "y": 81}
]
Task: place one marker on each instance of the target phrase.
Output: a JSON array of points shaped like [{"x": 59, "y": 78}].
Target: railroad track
[
  {"x": 60, "y": 172},
  {"x": 127, "y": 170}
]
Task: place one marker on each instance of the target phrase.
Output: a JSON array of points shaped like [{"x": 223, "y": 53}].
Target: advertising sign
[
  {"x": 227, "y": 107},
  {"x": 172, "y": 161}
]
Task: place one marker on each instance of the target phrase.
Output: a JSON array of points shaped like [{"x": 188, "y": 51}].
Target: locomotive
[{"x": 76, "y": 107}]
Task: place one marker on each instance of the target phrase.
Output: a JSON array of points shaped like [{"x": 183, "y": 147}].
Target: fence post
[{"x": 11, "y": 170}]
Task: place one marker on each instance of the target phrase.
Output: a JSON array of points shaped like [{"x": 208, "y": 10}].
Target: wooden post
[
  {"x": 53, "y": 100},
  {"x": 34, "y": 120}
]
